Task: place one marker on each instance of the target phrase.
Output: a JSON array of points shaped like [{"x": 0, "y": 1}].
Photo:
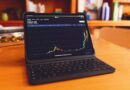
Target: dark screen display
[{"x": 53, "y": 36}]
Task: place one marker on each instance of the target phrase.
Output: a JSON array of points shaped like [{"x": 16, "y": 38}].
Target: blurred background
[{"x": 107, "y": 19}]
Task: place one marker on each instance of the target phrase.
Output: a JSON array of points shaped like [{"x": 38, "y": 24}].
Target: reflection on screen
[{"x": 56, "y": 36}]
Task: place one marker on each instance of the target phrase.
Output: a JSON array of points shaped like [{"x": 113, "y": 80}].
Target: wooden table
[{"x": 13, "y": 71}]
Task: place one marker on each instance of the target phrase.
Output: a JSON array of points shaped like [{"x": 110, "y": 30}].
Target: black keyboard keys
[{"x": 63, "y": 68}]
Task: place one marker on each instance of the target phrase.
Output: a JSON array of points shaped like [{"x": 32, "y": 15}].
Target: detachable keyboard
[{"x": 67, "y": 69}]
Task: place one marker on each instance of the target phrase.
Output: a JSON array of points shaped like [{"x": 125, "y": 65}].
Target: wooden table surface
[{"x": 13, "y": 72}]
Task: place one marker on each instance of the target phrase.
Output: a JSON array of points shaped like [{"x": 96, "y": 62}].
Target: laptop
[{"x": 59, "y": 47}]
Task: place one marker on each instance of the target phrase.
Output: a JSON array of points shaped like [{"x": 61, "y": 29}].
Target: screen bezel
[{"x": 26, "y": 39}]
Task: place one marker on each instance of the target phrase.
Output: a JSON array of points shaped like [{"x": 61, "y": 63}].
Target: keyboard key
[{"x": 58, "y": 69}]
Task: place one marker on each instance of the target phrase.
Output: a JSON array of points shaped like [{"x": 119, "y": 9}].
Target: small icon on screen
[{"x": 81, "y": 21}]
